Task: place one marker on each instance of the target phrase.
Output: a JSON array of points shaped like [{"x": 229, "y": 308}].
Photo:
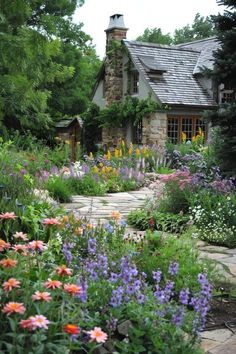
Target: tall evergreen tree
[{"x": 225, "y": 73}]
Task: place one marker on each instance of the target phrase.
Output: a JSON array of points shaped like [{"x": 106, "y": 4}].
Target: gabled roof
[
  {"x": 176, "y": 82},
  {"x": 65, "y": 123}
]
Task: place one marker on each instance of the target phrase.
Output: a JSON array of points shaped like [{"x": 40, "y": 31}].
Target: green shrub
[
  {"x": 86, "y": 186},
  {"x": 168, "y": 222},
  {"x": 59, "y": 189}
]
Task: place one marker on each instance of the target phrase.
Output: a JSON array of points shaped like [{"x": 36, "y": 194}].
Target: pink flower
[
  {"x": 63, "y": 270},
  {"x": 33, "y": 322},
  {"x": 37, "y": 245},
  {"x": 73, "y": 289},
  {"x": 41, "y": 296},
  {"x": 13, "y": 307},
  {"x": 10, "y": 284},
  {"x": 21, "y": 235},
  {"x": 20, "y": 248},
  {"x": 8, "y": 216},
  {"x": 97, "y": 335},
  {"x": 8, "y": 263},
  {"x": 51, "y": 221},
  {"x": 52, "y": 284}
]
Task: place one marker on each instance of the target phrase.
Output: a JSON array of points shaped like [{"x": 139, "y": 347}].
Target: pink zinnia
[
  {"x": 8, "y": 263},
  {"x": 63, "y": 270},
  {"x": 10, "y": 284},
  {"x": 20, "y": 248},
  {"x": 51, "y": 221},
  {"x": 28, "y": 324},
  {"x": 41, "y": 296},
  {"x": 21, "y": 235},
  {"x": 73, "y": 289},
  {"x": 40, "y": 321},
  {"x": 52, "y": 284},
  {"x": 13, "y": 307},
  {"x": 37, "y": 245},
  {"x": 8, "y": 216},
  {"x": 97, "y": 335}
]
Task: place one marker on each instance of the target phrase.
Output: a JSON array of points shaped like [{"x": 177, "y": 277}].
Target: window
[
  {"x": 134, "y": 82},
  {"x": 138, "y": 132},
  {"x": 189, "y": 125},
  {"x": 227, "y": 94}
]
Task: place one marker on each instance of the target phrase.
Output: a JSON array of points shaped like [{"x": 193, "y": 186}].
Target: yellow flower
[
  {"x": 184, "y": 137},
  {"x": 120, "y": 153},
  {"x": 103, "y": 170},
  {"x": 130, "y": 151},
  {"x": 91, "y": 155},
  {"x": 122, "y": 143},
  {"x": 193, "y": 138},
  {"x": 100, "y": 164},
  {"x": 138, "y": 152},
  {"x": 116, "y": 152},
  {"x": 95, "y": 169},
  {"x": 108, "y": 155}
]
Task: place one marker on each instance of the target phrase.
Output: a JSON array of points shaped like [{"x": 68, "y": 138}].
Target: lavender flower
[
  {"x": 173, "y": 268},
  {"x": 92, "y": 245},
  {"x": 157, "y": 276},
  {"x": 66, "y": 251},
  {"x": 109, "y": 228},
  {"x": 178, "y": 316},
  {"x": 117, "y": 297},
  {"x": 184, "y": 296}
]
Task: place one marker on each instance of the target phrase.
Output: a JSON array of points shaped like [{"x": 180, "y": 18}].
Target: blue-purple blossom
[
  {"x": 173, "y": 268},
  {"x": 109, "y": 228},
  {"x": 178, "y": 316},
  {"x": 184, "y": 296},
  {"x": 84, "y": 285},
  {"x": 66, "y": 251},
  {"x": 157, "y": 276},
  {"x": 92, "y": 245},
  {"x": 140, "y": 298},
  {"x": 117, "y": 297}
]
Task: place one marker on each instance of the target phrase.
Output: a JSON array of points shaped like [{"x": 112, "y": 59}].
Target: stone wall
[
  {"x": 155, "y": 129},
  {"x": 112, "y": 136}
]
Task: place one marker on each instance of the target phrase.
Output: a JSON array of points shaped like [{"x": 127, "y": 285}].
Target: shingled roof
[{"x": 172, "y": 72}]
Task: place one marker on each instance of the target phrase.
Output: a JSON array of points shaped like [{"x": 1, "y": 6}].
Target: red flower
[{"x": 71, "y": 329}]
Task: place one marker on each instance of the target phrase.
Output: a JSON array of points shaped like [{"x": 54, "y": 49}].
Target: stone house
[{"x": 169, "y": 75}]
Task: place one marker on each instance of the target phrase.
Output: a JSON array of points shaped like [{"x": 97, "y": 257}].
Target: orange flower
[
  {"x": 52, "y": 284},
  {"x": 71, "y": 329},
  {"x": 8, "y": 263},
  {"x": 98, "y": 335},
  {"x": 116, "y": 215},
  {"x": 73, "y": 289},
  {"x": 37, "y": 245},
  {"x": 51, "y": 221},
  {"x": 21, "y": 235},
  {"x": 8, "y": 216},
  {"x": 89, "y": 226},
  {"x": 10, "y": 284},
  {"x": 79, "y": 231},
  {"x": 63, "y": 270},
  {"x": 13, "y": 307},
  {"x": 4, "y": 245},
  {"x": 41, "y": 296}
]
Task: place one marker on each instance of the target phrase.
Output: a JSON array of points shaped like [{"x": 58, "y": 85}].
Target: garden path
[{"x": 99, "y": 209}]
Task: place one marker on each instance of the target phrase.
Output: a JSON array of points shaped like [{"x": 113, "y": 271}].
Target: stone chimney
[{"x": 115, "y": 32}]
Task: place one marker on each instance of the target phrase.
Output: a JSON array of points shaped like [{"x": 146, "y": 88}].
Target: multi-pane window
[
  {"x": 227, "y": 94},
  {"x": 134, "y": 82},
  {"x": 138, "y": 132},
  {"x": 187, "y": 126}
]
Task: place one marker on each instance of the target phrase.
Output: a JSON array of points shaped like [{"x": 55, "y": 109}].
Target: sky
[{"x": 140, "y": 14}]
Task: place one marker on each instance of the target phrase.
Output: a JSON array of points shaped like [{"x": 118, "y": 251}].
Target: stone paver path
[
  {"x": 100, "y": 208},
  {"x": 219, "y": 341}
]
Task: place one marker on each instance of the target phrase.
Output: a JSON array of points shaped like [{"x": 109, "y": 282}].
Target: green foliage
[
  {"x": 202, "y": 27},
  {"x": 91, "y": 129},
  {"x": 132, "y": 109},
  {"x": 87, "y": 186},
  {"x": 59, "y": 189},
  {"x": 225, "y": 72},
  {"x": 157, "y": 220},
  {"x": 41, "y": 49},
  {"x": 155, "y": 35}
]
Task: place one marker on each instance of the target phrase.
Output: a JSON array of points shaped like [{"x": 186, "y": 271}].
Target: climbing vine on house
[{"x": 134, "y": 109}]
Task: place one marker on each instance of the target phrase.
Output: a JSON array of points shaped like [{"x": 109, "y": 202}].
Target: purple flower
[
  {"x": 109, "y": 228},
  {"x": 92, "y": 246},
  {"x": 113, "y": 277},
  {"x": 157, "y": 276},
  {"x": 140, "y": 298},
  {"x": 173, "y": 268},
  {"x": 66, "y": 251},
  {"x": 84, "y": 285},
  {"x": 112, "y": 323},
  {"x": 178, "y": 316},
  {"x": 117, "y": 297},
  {"x": 184, "y": 296}
]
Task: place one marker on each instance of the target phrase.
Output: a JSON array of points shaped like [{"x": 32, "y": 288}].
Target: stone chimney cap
[{"x": 116, "y": 21}]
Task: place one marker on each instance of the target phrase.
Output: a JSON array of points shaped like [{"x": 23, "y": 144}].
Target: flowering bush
[{"x": 83, "y": 289}]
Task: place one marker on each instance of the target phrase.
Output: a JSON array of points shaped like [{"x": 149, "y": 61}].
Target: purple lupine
[
  {"x": 90, "y": 268},
  {"x": 140, "y": 298},
  {"x": 66, "y": 251},
  {"x": 112, "y": 323},
  {"x": 173, "y": 268},
  {"x": 157, "y": 276},
  {"x": 92, "y": 245},
  {"x": 113, "y": 277},
  {"x": 102, "y": 264},
  {"x": 184, "y": 296},
  {"x": 117, "y": 297},
  {"x": 178, "y": 317},
  {"x": 84, "y": 285}
]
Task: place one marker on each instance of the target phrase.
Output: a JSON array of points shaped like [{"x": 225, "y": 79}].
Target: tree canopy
[
  {"x": 202, "y": 27},
  {"x": 225, "y": 72},
  {"x": 47, "y": 63}
]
